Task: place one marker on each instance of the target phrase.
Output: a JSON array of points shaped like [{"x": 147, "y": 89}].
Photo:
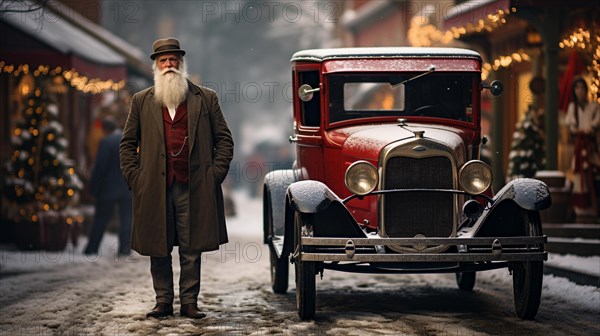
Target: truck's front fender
[
  {"x": 504, "y": 216},
  {"x": 275, "y": 188},
  {"x": 310, "y": 196},
  {"x": 529, "y": 194},
  {"x": 323, "y": 207}
]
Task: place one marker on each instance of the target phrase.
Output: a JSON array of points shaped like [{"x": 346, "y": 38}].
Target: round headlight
[
  {"x": 475, "y": 177},
  {"x": 361, "y": 177}
]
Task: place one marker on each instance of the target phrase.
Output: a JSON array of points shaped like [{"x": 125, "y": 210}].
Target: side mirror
[
  {"x": 496, "y": 87},
  {"x": 305, "y": 92}
]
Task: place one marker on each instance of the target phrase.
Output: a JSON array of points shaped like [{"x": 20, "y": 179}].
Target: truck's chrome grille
[{"x": 419, "y": 213}]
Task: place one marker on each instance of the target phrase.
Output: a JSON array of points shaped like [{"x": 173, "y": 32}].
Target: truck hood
[{"x": 365, "y": 142}]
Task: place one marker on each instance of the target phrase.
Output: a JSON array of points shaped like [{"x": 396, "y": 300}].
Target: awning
[
  {"x": 53, "y": 41},
  {"x": 469, "y": 13}
]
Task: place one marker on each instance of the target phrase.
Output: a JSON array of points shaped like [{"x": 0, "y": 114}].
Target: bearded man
[{"x": 175, "y": 153}]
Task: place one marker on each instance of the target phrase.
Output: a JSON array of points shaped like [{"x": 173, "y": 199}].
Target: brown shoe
[
  {"x": 191, "y": 311},
  {"x": 161, "y": 310}
]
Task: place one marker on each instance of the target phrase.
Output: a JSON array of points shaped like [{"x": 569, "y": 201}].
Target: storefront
[
  {"x": 56, "y": 70},
  {"x": 536, "y": 48}
]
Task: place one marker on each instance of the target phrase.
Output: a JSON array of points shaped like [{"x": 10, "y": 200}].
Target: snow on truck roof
[{"x": 320, "y": 55}]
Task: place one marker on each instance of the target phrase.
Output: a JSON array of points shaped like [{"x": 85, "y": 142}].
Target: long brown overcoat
[{"x": 210, "y": 153}]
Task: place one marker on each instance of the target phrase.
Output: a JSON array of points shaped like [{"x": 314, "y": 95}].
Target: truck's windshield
[{"x": 438, "y": 95}]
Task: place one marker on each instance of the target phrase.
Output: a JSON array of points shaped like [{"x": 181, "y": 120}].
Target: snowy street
[{"x": 47, "y": 293}]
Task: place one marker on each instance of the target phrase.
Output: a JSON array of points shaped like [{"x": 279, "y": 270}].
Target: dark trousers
[
  {"x": 102, "y": 214},
  {"x": 178, "y": 227}
]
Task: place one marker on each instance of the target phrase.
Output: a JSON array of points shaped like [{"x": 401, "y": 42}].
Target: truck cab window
[{"x": 310, "y": 110}]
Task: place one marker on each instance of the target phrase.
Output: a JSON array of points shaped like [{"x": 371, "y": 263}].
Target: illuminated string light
[
  {"x": 75, "y": 79},
  {"x": 577, "y": 39},
  {"x": 423, "y": 34},
  {"x": 504, "y": 62},
  {"x": 491, "y": 22}
]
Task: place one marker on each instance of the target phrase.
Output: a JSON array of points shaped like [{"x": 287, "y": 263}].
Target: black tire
[
  {"x": 267, "y": 215},
  {"x": 528, "y": 275},
  {"x": 466, "y": 280},
  {"x": 279, "y": 266},
  {"x": 305, "y": 278},
  {"x": 279, "y": 273}
]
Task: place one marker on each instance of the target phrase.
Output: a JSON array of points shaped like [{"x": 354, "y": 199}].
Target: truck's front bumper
[{"x": 468, "y": 249}]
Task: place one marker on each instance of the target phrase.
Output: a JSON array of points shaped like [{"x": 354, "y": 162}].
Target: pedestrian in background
[
  {"x": 583, "y": 120},
  {"x": 175, "y": 153},
  {"x": 110, "y": 191}
]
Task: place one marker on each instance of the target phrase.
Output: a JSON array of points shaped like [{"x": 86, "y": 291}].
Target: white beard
[{"x": 170, "y": 85}]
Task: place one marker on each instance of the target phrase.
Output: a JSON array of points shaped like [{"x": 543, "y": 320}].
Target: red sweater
[{"x": 177, "y": 144}]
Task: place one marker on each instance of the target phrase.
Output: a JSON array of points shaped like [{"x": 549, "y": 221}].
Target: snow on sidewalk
[{"x": 586, "y": 265}]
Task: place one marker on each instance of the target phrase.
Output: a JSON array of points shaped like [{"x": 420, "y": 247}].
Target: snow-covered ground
[
  {"x": 68, "y": 294},
  {"x": 587, "y": 265}
]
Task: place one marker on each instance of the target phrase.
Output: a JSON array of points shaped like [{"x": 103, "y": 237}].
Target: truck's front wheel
[
  {"x": 528, "y": 275},
  {"x": 305, "y": 275}
]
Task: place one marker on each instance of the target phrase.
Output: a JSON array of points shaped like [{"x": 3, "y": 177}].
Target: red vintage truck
[{"x": 388, "y": 176}]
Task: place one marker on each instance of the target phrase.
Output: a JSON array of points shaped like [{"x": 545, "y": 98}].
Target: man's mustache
[{"x": 167, "y": 70}]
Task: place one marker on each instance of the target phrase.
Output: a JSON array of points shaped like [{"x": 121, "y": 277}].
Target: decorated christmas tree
[
  {"x": 527, "y": 154},
  {"x": 39, "y": 178}
]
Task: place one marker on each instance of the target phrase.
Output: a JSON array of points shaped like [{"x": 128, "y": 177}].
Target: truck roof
[{"x": 320, "y": 55}]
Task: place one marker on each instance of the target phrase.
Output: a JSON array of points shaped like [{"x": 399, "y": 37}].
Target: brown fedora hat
[{"x": 165, "y": 46}]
